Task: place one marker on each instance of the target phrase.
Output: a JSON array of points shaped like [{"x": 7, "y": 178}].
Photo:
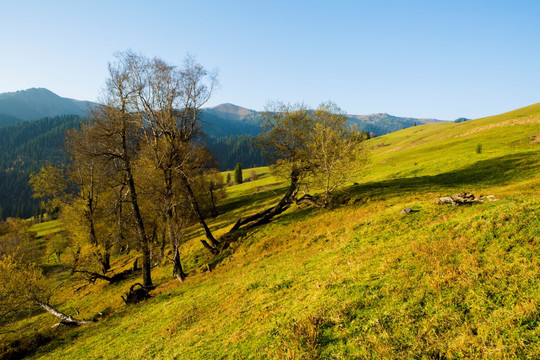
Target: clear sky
[{"x": 439, "y": 59}]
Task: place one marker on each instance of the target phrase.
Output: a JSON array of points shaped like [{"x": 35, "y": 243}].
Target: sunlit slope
[
  {"x": 359, "y": 281},
  {"x": 506, "y": 140}
]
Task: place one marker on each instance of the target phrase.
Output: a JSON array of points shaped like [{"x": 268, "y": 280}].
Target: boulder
[{"x": 459, "y": 199}]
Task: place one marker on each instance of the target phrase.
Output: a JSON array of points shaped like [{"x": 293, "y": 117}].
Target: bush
[{"x": 479, "y": 148}]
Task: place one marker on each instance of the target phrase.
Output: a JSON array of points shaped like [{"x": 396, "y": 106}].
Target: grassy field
[{"x": 359, "y": 281}]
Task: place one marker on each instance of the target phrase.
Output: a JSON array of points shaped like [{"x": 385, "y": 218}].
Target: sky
[{"x": 426, "y": 59}]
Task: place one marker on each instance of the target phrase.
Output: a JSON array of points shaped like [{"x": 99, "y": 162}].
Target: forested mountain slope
[{"x": 24, "y": 148}]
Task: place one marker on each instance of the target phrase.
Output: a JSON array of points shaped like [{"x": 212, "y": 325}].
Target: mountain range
[
  {"x": 33, "y": 123},
  {"x": 222, "y": 120}
]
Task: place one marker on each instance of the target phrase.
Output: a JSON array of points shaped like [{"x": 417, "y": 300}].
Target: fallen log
[
  {"x": 64, "y": 318},
  {"x": 93, "y": 276}
]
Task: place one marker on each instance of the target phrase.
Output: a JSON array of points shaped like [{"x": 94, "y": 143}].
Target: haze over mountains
[
  {"x": 37, "y": 103},
  {"x": 222, "y": 120}
]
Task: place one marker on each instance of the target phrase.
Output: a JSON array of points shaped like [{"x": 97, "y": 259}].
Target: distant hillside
[
  {"x": 383, "y": 123},
  {"x": 218, "y": 121},
  {"x": 37, "y": 103},
  {"x": 233, "y": 112},
  {"x": 24, "y": 148},
  {"x": 230, "y": 119},
  {"x": 6, "y": 120},
  {"x": 28, "y": 145}
]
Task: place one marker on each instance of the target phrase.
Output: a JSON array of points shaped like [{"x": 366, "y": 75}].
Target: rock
[
  {"x": 406, "y": 211},
  {"x": 445, "y": 200},
  {"x": 459, "y": 199}
]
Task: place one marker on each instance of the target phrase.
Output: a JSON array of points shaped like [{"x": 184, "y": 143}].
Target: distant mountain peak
[
  {"x": 37, "y": 103},
  {"x": 30, "y": 91},
  {"x": 232, "y": 112},
  {"x": 232, "y": 109}
]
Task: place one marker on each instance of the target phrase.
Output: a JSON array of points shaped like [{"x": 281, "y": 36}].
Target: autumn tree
[
  {"x": 115, "y": 136},
  {"x": 210, "y": 189},
  {"x": 170, "y": 99},
  {"x": 286, "y": 130},
  {"x": 336, "y": 150},
  {"x": 152, "y": 111},
  {"x": 23, "y": 287},
  {"x": 81, "y": 185},
  {"x": 17, "y": 240},
  {"x": 312, "y": 150}
]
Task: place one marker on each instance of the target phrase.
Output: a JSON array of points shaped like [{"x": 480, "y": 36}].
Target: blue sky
[{"x": 439, "y": 59}]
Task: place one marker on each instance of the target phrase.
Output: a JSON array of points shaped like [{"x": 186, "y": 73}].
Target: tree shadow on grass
[
  {"x": 254, "y": 198},
  {"x": 492, "y": 172}
]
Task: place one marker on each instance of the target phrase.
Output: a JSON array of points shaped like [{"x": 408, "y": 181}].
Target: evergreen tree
[{"x": 238, "y": 173}]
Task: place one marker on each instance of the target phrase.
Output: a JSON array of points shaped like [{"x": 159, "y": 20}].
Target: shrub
[
  {"x": 238, "y": 173},
  {"x": 479, "y": 148}
]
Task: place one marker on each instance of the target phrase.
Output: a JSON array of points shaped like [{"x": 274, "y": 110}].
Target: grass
[
  {"x": 358, "y": 281},
  {"x": 46, "y": 228}
]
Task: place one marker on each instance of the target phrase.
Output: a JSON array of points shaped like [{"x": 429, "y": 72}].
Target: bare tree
[
  {"x": 115, "y": 135},
  {"x": 169, "y": 99}
]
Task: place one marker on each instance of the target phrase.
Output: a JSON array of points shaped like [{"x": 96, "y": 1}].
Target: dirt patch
[{"x": 266, "y": 187}]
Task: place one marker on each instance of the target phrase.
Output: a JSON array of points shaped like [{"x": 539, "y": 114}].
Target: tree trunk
[
  {"x": 177, "y": 266},
  {"x": 106, "y": 262},
  {"x": 163, "y": 245},
  {"x": 265, "y": 216},
  {"x": 213, "y": 246},
  {"x": 143, "y": 239},
  {"x": 124, "y": 245},
  {"x": 64, "y": 319},
  {"x": 213, "y": 209}
]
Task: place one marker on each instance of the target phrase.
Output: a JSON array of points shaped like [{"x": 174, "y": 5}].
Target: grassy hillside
[{"x": 358, "y": 281}]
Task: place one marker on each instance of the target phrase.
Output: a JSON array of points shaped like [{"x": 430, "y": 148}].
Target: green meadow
[{"x": 358, "y": 281}]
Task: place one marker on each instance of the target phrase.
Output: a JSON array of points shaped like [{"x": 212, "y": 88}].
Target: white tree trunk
[{"x": 64, "y": 319}]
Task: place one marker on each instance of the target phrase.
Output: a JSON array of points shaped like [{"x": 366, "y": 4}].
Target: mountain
[
  {"x": 221, "y": 120},
  {"x": 233, "y": 112},
  {"x": 6, "y": 120},
  {"x": 383, "y": 123},
  {"x": 229, "y": 119},
  {"x": 37, "y": 103}
]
